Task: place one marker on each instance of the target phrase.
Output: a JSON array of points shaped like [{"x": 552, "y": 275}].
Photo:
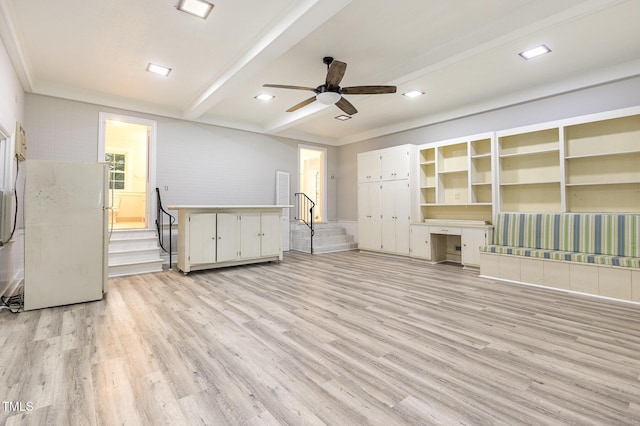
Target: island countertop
[{"x": 229, "y": 207}]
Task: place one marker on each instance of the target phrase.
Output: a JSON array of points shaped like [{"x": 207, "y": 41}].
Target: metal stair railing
[
  {"x": 304, "y": 212},
  {"x": 160, "y": 214}
]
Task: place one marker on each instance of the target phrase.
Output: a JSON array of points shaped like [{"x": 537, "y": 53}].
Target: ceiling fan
[{"x": 331, "y": 93}]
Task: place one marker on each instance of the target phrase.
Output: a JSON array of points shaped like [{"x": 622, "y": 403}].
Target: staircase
[
  {"x": 134, "y": 251},
  {"x": 327, "y": 238}
]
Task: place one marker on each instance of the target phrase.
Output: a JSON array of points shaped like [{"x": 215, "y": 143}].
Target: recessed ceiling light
[
  {"x": 413, "y": 94},
  {"x": 158, "y": 69},
  {"x": 198, "y": 8},
  {"x": 264, "y": 97},
  {"x": 536, "y": 51},
  {"x": 343, "y": 117}
]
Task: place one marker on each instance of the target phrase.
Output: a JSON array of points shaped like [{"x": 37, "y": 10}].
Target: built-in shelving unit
[
  {"x": 603, "y": 165},
  {"x": 456, "y": 179},
  {"x": 427, "y": 176},
  {"x": 481, "y": 176},
  {"x": 583, "y": 164},
  {"x": 530, "y": 170}
]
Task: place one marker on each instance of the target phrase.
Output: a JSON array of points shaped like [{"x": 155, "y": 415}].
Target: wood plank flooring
[{"x": 336, "y": 339}]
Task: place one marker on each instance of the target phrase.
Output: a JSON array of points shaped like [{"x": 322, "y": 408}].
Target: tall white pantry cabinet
[{"x": 385, "y": 199}]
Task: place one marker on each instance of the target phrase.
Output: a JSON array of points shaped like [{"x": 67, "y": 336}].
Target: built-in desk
[
  {"x": 456, "y": 241},
  {"x": 218, "y": 236}
]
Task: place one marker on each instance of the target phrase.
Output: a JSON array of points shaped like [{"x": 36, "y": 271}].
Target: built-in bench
[{"x": 591, "y": 253}]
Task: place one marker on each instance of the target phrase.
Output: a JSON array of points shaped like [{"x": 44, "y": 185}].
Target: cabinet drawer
[{"x": 446, "y": 230}]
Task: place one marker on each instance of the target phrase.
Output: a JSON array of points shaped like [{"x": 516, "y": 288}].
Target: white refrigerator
[{"x": 65, "y": 236}]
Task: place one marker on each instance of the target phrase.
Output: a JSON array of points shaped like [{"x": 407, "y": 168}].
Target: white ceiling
[{"x": 462, "y": 53}]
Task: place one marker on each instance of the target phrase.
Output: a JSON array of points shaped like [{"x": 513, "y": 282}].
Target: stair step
[
  {"x": 333, "y": 239},
  {"x": 326, "y": 248},
  {"x": 134, "y": 251},
  {"x": 328, "y": 237},
  {"x": 322, "y": 232},
  {"x": 123, "y": 234},
  {"x": 137, "y": 255},
  {"x": 135, "y": 268}
]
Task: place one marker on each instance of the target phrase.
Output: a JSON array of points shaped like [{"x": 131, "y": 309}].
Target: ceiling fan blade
[
  {"x": 368, "y": 90},
  {"x": 302, "y": 104},
  {"x": 335, "y": 73},
  {"x": 284, "y": 86},
  {"x": 346, "y": 106}
]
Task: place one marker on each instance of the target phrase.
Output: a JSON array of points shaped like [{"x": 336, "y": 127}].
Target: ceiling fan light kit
[
  {"x": 328, "y": 98},
  {"x": 331, "y": 93}
]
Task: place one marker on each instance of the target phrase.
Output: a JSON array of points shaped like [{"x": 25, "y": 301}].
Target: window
[{"x": 117, "y": 167}]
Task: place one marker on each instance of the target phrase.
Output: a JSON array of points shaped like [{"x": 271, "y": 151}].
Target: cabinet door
[
  {"x": 396, "y": 211},
  {"x": 202, "y": 238},
  {"x": 369, "y": 168},
  {"x": 472, "y": 240},
  {"x": 403, "y": 215},
  {"x": 420, "y": 242},
  {"x": 250, "y": 235},
  {"x": 369, "y": 211},
  {"x": 227, "y": 237},
  {"x": 389, "y": 217},
  {"x": 394, "y": 164},
  {"x": 271, "y": 234}
]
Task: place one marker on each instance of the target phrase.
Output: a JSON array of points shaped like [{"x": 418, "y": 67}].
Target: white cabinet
[
  {"x": 395, "y": 164},
  {"x": 369, "y": 215},
  {"x": 450, "y": 241},
  {"x": 396, "y": 216},
  {"x": 257, "y": 235},
  {"x": 217, "y": 236},
  {"x": 202, "y": 244},
  {"x": 472, "y": 239},
  {"x": 420, "y": 241},
  {"x": 385, "y": 200},
  {"x": 227, "y": 242},
  {"x": 369, "y": 167},
  {"x": 270, "y": 240}
]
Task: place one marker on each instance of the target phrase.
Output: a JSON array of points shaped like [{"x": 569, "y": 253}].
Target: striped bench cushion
[
  {"x": 605, "y": 239},
  {"x": 599, "y": 259}
]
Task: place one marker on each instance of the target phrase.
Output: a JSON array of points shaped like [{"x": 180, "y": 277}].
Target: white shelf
[
  {"x": 603, "y": 183},
  {"x": 454, "y": 204},
  {"x": 428, "y": 163},
  {"x": 548, "y": 182},
  {"x": 603, "y": 154},
  {"x": 523, "y": 154},
  {"x": 481, "y": 183},
  {"x": 450, "y": 172},
  {"x": 481, "y": 156}
]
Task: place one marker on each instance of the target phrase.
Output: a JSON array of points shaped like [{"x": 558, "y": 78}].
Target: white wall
[
  {"x": 620, "y": 94},
  {"x": 11, "y": 110},
  {"x": 199, "y": 163}
]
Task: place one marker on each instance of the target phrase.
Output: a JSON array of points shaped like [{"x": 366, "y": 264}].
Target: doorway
[
  {"x": 126, "y": 146},
  {"x": 313, "y": 182}
]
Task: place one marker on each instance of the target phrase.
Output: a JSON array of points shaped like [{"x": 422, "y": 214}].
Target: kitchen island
[{"x": 212, "y": 236}]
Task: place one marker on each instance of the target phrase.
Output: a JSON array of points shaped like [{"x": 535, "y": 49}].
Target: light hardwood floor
[{"x": 337, "y": 339}]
